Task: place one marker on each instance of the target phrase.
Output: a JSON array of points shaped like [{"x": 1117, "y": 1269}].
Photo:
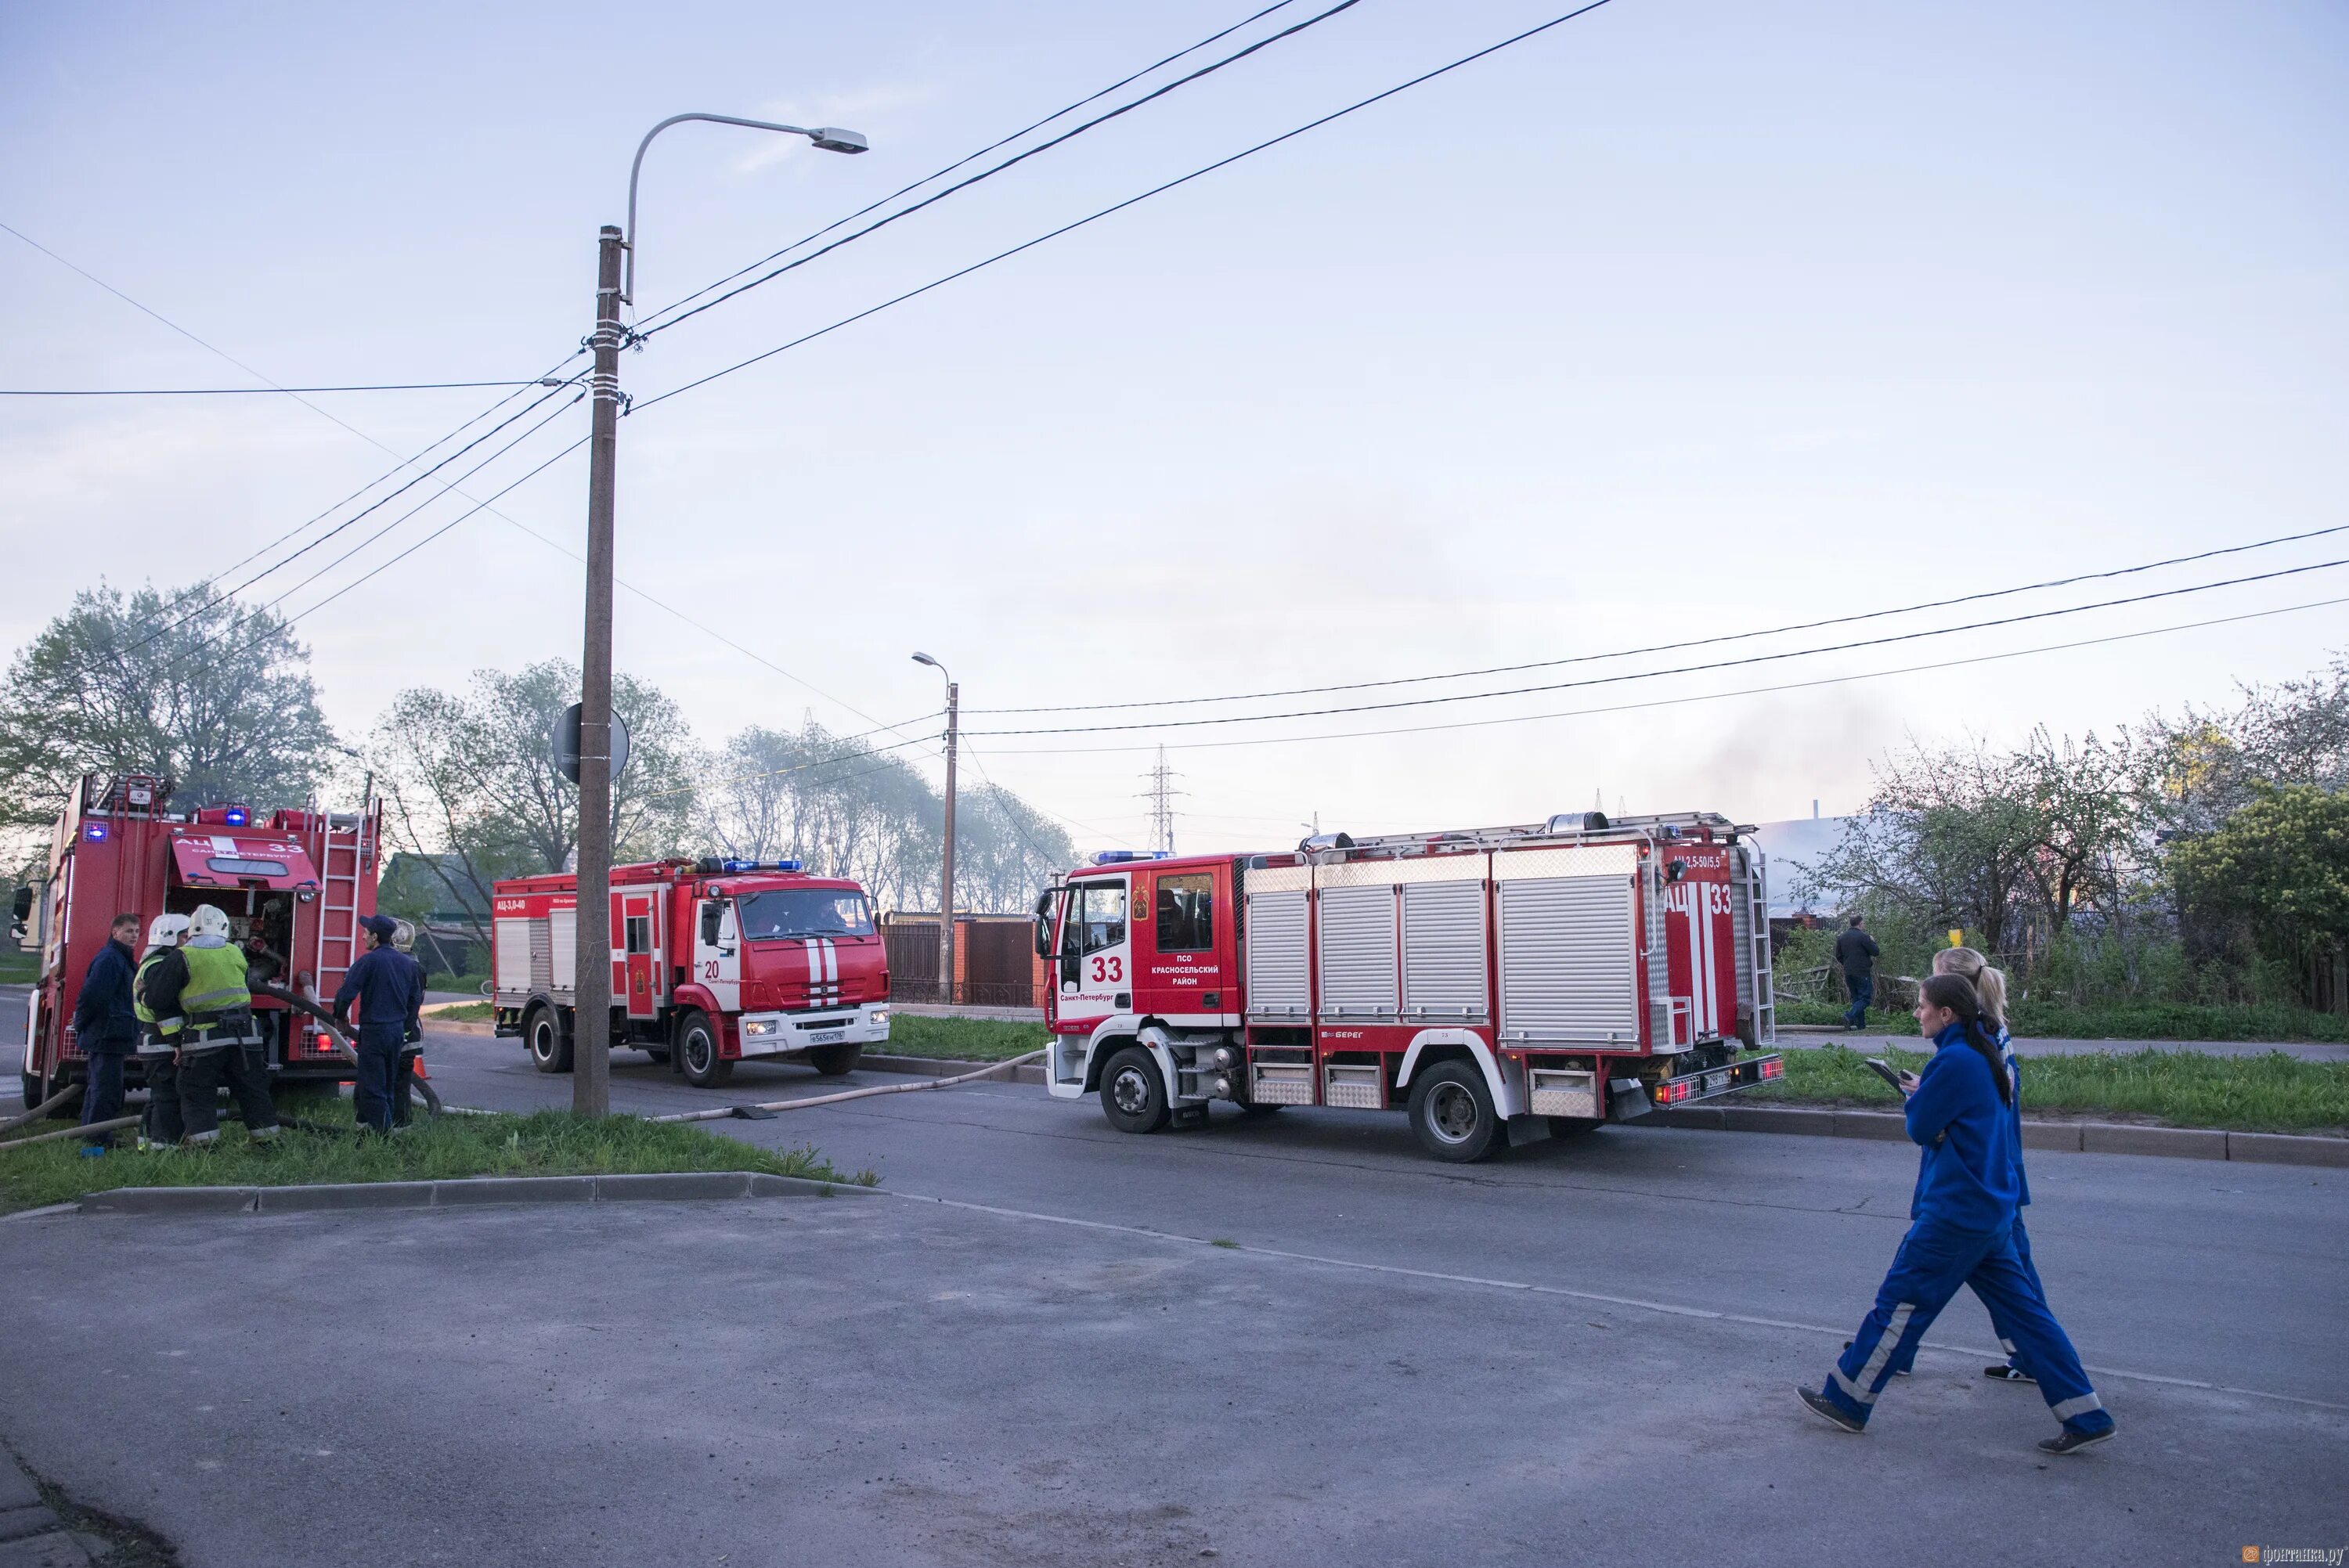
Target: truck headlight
[
  {"x": 879, "y": 1015},
  {"x": 757, "y": 1028}
]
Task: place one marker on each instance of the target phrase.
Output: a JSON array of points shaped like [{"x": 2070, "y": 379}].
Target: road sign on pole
[{"x": 565, "y": 742}]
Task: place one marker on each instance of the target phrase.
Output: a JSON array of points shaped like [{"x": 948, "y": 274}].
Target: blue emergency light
[
  {"x": 755, "y": 866},
  {"x": 1120, "y": 857},
  {"x": 787, "y": 865},
  {"x": 95, "y": 832},
  {"x": 233, "y": 816}
]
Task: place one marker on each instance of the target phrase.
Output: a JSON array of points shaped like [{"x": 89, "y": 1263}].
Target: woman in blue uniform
[{"x": 1959, "y": 1114}]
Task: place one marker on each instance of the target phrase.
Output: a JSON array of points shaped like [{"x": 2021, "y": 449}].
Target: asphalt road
[{"x": 1034, "y": 1354}]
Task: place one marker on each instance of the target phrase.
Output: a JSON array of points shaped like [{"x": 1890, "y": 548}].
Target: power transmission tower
[{"x": 1160, "y": 795}]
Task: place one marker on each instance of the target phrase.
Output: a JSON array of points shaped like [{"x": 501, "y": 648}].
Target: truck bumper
[
  {"x": 781, "y": 1034},
  {"x": 1632, "y": 1097}
]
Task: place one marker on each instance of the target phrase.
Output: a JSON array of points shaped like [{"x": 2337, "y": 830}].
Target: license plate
[
  {"x": 1714, "y": 1082},
  {"x": 825, "y": 1036}
]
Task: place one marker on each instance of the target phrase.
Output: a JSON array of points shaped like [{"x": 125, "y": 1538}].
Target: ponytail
[
  {"x": 1989, "y": 984},
  {"x": 1957, "y": 994}
]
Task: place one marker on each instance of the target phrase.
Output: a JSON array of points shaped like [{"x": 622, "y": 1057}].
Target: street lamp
[
  {"x": 591, "y": 1082},
  {"x": 946, "y": 892}
]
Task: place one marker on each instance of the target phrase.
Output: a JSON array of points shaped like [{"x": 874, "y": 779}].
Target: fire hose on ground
[{"x": 768, "y": 1108}]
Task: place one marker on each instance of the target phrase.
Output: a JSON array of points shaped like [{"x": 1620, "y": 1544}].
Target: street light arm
[{"x": 628, "y": 291}]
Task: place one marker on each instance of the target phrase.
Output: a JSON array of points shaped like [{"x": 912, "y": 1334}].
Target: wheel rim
[
  {"x": 1451, "y": 1112},
  {"x": 1130, "y": 1091},
  {"x": 542, "y": 1041},
  {"x": 697, "y": 1050}
]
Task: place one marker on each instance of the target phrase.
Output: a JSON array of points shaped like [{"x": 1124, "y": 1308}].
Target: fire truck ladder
[
  {"x": 338, "y": 922},
  {"x": 1758, "y": 929}
]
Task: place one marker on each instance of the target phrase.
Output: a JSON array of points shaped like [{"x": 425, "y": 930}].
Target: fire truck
[
  {"x": 295, "y": 888},
  {"x": 1499, "y": 984},
  {"x": 714, "y": 961}
]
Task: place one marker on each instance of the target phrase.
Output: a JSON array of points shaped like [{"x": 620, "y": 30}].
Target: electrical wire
[
  {"x": 1119, "y": 207},
  {"x": 246, "y": 391},
  {"x": 803, "y": 767},
  {"x": 1676, "y": 647},
  {"x": 960, "y": 185},
  {"x": 1677, "y": 670},
  {"x": 1700, "y": 696},
  {"x": 967, "y": 159}
]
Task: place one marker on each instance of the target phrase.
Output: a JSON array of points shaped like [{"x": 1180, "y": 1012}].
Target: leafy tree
[
  {"x": 1005, "y": 850},
  {"x": 839, "y": 806},
  {"x": 215, "y": 697},
  {"x": 473, "y": 777},
  {"x": 2277, "y": 870}
]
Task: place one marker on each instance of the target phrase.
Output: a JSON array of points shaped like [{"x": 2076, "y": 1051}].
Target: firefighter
[
  {"x": 217, "y": 1041},
  {"x": 411, "y": 1049},
  {"x": 1962, "y": 1234},
  {"x": 162, "y": 975},
  {"x": 106, "y": 1028},
  {"x": 388, "y": 988}
]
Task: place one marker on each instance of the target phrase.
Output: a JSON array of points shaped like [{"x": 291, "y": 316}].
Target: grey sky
[{"x": 1684, "y": 318}]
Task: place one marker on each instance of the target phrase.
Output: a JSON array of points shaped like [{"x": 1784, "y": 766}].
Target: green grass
[
  {"x": 549, "y": 1143},
  {"x": 460, "y": 1013},
  {"x": 441, "y": 980},
  {"x": 19, "y": 968},
  {"x": 2268, "y": 1093},
  {"x": 962, "y": 1039},
  {"x": 2146, "y": 1021}
]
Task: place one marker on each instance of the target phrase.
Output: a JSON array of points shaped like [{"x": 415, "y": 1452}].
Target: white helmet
[
  {"x": 209, "y": 920},
  {"x": 166, "y": 930},
  {"x": 403, "y": 935}
]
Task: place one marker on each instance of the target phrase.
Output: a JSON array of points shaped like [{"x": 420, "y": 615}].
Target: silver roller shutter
[
  {"x": 1275, "y": 955},
  {"x": 541, "y": 956},
  {"x": 1358, "y": 953},
  {"x": 513, "y": 942},
  {"x": 1567, "y": 960},
  {"x": 1444, "y": 951}
]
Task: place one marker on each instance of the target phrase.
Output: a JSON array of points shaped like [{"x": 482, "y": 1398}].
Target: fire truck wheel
[
  {"x": 549, "y": 1047},
  {"x": 37, "y": 1090},
  {"x": 1133, "y": 1094},
  {"x": 1451, "y": 1112},
  {"x": 833, "y": 1061},
  {"x": 697, "y": 1052}
]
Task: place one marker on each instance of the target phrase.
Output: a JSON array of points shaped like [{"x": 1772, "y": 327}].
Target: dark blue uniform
[
  {"x": 388, "y": 986},
  {"x": 107, "y": 1029},
  {"x": 1968, "y": 1184}
]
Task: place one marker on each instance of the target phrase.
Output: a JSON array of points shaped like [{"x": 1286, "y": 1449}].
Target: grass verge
[
  {"x": 460, "y": 1013},
  {"x": 19, "y": 968},
  {"x": 962, "y": 1039},
  {"x": 2270, "y": 1093},
  {"x": 549, "y": 1143},
  {"x": 2151, "y": 1021}
]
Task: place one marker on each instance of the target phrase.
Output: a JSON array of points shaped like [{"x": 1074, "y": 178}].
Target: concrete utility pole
[
  {"x": 946, "y": 878},
  {"x": 591, "y": 1031},
  {"x": 591, "y": 1039}
]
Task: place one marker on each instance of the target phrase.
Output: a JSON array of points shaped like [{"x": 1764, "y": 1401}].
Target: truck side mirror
[
  {"x": 1044, "y": 923},
  {"x": 22, "y": 909}
]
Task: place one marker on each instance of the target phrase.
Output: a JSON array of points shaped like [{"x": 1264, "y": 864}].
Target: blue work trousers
[
  {"x": 1907, "y": 1362},
  {"x": 373, "y": 1094},
  {"x": 1932, "y": 1263},
  {"x": 1863, "y": 991},
  {"x": 102, "y": 1093}
]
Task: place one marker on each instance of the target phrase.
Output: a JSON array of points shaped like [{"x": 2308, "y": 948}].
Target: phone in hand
[{"x": 1885, "y": 1071}]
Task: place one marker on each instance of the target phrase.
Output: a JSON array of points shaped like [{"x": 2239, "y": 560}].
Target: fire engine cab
[
  {"x": 1501, "y": 984},
  {"x": 713, "y": 962},
  {"x": 295, "y": 888}
]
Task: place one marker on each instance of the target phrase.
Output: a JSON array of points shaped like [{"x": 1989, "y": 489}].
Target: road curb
[
  {"x": 938, "y": 1067},
  {"x": 476, "y": 1191},
  {"x": 2069, "y": 1137}
]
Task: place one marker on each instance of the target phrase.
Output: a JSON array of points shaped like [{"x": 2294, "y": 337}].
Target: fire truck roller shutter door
[
  {"x": 563, "y": 955},
  {"x": 1568, "y": 953},
  {"x": 1443, "y": 970},
  {"x": 512, "y": 939},
  {"x": 1275, "y": 943}
]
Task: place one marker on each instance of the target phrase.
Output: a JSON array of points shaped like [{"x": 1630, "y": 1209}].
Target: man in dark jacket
[
  {"x": 1855, "y": 952},
  {"x": 388, "y": 986},
  {"x": 105, "y": 1027}
]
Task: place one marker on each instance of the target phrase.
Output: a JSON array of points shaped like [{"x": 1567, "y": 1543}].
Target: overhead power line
[
  {"x": 967, "y": 159},
  {"x": 1676, "y": 647},
  {"x": 1160, "y": 190},
  {"x": 1016, "y": 158},
  {"x": 250, "y": 391},
  {"x": 1684, "y": 701},
  {"x": 1676, "y": 670}
]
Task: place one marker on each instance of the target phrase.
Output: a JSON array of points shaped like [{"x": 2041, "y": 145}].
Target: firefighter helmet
[
  {"x": 403, "y": 935},
  {"x": 209, "y": 920},
  {"x": 166, "y": 930}
]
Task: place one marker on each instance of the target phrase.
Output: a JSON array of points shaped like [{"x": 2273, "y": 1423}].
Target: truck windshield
[{"x": 804, "y": 912}]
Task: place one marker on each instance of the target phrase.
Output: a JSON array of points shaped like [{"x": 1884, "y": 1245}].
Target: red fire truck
[
  {"x": 714, "y": 961},
  {"x": 1500, "y": 983},
  {"x": 294, "y": 889}
]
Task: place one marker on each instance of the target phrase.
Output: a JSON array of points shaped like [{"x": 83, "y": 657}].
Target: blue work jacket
[
  {"x": 388, "y": 986},
  {"x": 1969, "y": 1175},
  {"x": 102, "y": 1018}
]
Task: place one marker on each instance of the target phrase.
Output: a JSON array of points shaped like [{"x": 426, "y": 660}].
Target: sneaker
[
  {"x": 2069, "y": 1442},
  {"x": 1826, "y": 1410},
  {"x": 2008, "y": 1372}
]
